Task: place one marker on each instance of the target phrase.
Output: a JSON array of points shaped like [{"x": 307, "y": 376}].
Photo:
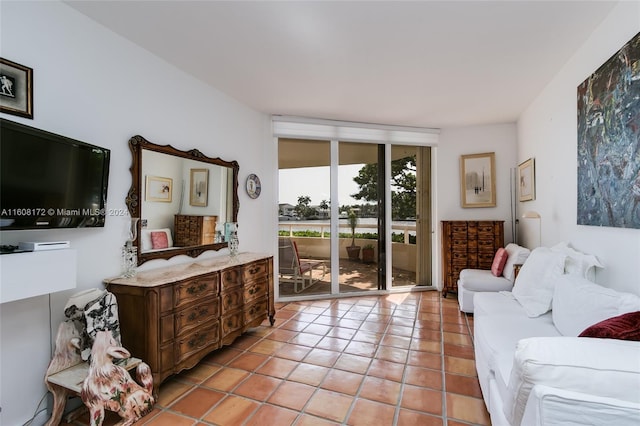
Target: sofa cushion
[
  {"x": 498, "y": 262},
  {"x": 600, "y": 367},
  {"x": 517, "y": 256},
  {"x": 578, "y": 263},
  {"x": 579, "y": 303},
  {"x": 482, "y": 280},
  {"x": 622, "y": 327},
  {"x": 535, "y": 283}
]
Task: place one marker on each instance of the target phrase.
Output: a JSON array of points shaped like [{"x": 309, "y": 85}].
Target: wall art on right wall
[{"x": 609, "y": 142}]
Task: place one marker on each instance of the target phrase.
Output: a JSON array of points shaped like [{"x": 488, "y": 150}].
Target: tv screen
[{"x": 50, "y": 181}]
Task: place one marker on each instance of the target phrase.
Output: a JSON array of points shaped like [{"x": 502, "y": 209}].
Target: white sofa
[
  {"x": 532, "y": 367},
  {"x": 472, "y": 281}
]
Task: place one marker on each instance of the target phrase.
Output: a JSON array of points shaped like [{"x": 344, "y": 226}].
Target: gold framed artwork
[
  {"x": 527, "y": 180},
  {"x": 159, "y": 189},
  {"x": 477, "y": 180},
  {"x": 16, "y": 89},
  {"x": 199, "y": 188}
]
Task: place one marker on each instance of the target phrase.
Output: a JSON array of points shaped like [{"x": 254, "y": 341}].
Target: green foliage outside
[{"x": 395, "y": 237}]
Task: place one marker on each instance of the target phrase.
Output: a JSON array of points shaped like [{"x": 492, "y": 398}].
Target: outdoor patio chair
[{"x": 296, "y": 270}]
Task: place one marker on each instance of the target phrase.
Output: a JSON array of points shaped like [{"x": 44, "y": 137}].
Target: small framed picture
[
  {"x": 199, "y": 188},
  {"x": 16, "y": 89},
  {"x": 477, "y": 180},
  {"x": 527, "y": 180},
  {"x": 159, "y": 189}
]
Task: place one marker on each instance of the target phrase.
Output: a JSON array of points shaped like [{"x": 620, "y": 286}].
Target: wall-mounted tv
[{"x": 50, "y": 181}]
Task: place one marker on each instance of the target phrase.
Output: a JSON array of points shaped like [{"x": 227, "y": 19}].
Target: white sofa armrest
[
  {"x": 552, "y": 406},
  {"x": 598, "y": 367}
]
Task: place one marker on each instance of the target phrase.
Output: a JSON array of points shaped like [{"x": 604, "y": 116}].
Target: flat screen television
[{"x": 50, "y": 181}]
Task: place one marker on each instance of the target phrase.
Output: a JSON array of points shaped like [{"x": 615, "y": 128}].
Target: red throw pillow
[
  {"x": 622, "y": 327},
  {"x": 498, "y": 262},
  {"x": 159, "y": 240}
]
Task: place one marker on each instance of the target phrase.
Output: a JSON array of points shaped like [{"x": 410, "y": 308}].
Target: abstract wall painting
[{"x": 609, "y": 142}]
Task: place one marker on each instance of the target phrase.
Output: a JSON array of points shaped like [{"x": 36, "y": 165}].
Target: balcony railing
[{"x": 324, "y": 228}]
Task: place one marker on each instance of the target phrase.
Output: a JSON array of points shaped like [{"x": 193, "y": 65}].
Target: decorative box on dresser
[
  {"x": 469, "y": 244},
  {"x": 193, "y": 230},
  {"x": 172, "y": 317}
]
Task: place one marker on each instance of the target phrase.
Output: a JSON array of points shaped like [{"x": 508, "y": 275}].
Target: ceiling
[{"x": 422, "y": 63}]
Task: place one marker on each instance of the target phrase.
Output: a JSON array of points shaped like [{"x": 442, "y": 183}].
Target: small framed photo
[
  {"x": 527, "y": 180},
  {"x": 477, "y": 180},
  {"x": 16, "y": 89},
  {"x": 159, "y": 189},
  {"x": 199, "y": 188}
]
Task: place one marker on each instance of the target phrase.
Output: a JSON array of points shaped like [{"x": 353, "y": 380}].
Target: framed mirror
[{"x": 183, "y": 200}]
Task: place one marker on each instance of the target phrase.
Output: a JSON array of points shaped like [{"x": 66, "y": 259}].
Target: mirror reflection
[{"x": 183, "y": 199}]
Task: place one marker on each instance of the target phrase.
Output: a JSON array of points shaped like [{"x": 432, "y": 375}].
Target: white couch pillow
[
  {"x": 517, "y": 256},
  {"x": 600, "y": 367},
  {"x": 145, "y": 238},
  {"x": 579, "y": 303},
  {"x": 535, "y": 283},
  {"x": 578, "y": 263}
]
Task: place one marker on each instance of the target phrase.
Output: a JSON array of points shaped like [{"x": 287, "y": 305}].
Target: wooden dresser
[
  {"x": 193, "y": 230},
  {"x": 468, "y": 244},
  {"x": 172, "y": 317}
]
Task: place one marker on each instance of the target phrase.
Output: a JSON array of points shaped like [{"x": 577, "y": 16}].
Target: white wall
[
  {"x": 548, "y": 131},
  {"x": 92, "y": 85}
]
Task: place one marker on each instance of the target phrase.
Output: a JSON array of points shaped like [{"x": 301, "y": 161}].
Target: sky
[{"x": 314, "y": 182}]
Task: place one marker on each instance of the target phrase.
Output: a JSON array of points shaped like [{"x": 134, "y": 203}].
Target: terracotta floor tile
[
  {"x": 404, "y": 322},
  {"x": 167, "y": 418},
  {"x": 373, "y": 326},
  {"x": 367, "y": 413},
  {"x": 459, "y": 351},
  {"x": 425, "y": 316},
  {"x": 427, "y": 334},
  {"x": 281, "y": 335},
  {"x": 232, "y": 411},
  {"x": 361, "y": 348},
  {"x": 332, "y": 344},
  {"x": 319, "y": 329},
  {"x": 245, "y": 341},
  {"x": 327, "y": 320},
  {"x": 342, "y": 333},
  {"x": 267, "y": 347},
  {"x": 197, "y": 402},
  {"x": 381, "y": 390},
  {"x": 354, "y": 363},
  {"x": 307, "y": 420},
  {"x": 462, "y": 366},
  {"x": 463, "y": 385},
  {"x": 292, "y": 395},
  {"x": 454, "y": 328},
  {"x": 349, "y": 323},
  {"x": 386, "y": 370},
  {"x": 400, "y": 330},
  {"x": 392, "y": 354},
  {"x": 170, "y": 391},
  {"x": 457, "y": 339},
  {"x": 422, "y": 399},
  {"x": 294, "y": 325},
  {"x": 199, "y": 373},
  {"x": 402, "y": 342},
  {"x": 428, "y": 325},
  {"x": 322, "y": 357},
  {"x": 248, "y": 361},
  {"x": 258, "y": 387},
  {"x": 306, "y": 339},
  {"x": 329, "y": 405},
  {"x": 277, "y": 367},
  {"x": 270, "y": 415},
  {"x": 425, "y": 359},
  {"x": 342, "y": 381},
  {"x": 283, "y": 313},
  {"x": 293, "y": 352},
  {"x": 309, "y": 374},
  {"x": 306, "y": 317},
  {"x": 468, "y": 409},
  {"x": 424, "y": 377},
  {"x": 426, "y": 346},
  {"x": 368, "y": 337},
  {"x": 222, "y": 356},
  {"x": 414, "y": 418},
  {"x": 226, "y": 379}
]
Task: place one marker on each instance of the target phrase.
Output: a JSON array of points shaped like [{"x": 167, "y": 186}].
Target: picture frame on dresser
[
  {"x": 477, "y": 180},
  {"x": 16, "y": 89}
]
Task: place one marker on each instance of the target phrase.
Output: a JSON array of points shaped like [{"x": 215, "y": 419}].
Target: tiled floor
[{"x": 401, "y": 359}]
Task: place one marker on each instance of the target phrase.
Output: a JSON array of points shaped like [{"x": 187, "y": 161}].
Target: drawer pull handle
[
  {"x": 197, "y": 340},
  {"x": 201, "y": 313},
  {"x": 197, "y": 289},
  {"x": 254, "y": 271}
]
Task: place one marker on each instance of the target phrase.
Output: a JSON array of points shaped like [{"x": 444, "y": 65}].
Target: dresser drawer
[
  {"x": 255, "y": 290},
  {"x": 231, "y": 300},
  {"x": 254, "y": 271},
  {"x": 195, "y": 316},
  {"x": 195, "y": 289},
  {"x": 256, "y": 310},
  {"x": 230, "y": 278},
  {"x": 232, "y": 322},
  {"x": 203, "y": 338}
]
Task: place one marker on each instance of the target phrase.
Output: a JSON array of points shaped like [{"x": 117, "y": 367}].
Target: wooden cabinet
[
  {"x": 194, "y": 230},
  {"x": 172, "y": 317},
  {"x": 468, "y": 245}
]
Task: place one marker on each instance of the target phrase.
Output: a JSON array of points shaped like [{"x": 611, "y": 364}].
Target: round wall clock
[{"x": 253, "y": 186}]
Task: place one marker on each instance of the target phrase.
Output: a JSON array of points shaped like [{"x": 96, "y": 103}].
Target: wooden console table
[{"x": 172, "y": 317}]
